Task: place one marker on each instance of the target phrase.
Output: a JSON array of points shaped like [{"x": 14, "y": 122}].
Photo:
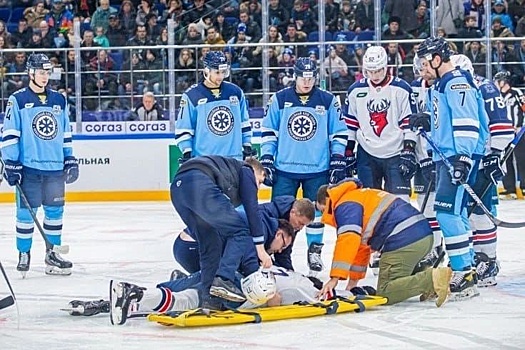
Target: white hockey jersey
[
  {"x": 420, "y": 93},
  {"x": 377, "y": 116}
]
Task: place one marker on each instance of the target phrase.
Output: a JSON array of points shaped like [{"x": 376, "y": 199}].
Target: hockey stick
[
  {"x": 427, "y": 195},
  {"x": 11, "y": 299},
  {"x": 61, "y": 249},
  {"x": 507, "y": 155},
  {"x": 469, "y": 189}
]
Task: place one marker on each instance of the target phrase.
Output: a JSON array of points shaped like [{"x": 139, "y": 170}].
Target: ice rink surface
[{"x": 133, "y": 242}]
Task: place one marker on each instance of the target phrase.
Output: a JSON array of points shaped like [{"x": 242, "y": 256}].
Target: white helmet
[
  {"x": 375, "y": 58},
  {"x": 259, "y": 287},
  {"x": 463, "y": 62}
]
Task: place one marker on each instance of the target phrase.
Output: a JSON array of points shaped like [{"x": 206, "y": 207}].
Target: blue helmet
[
  {"x": 434, "y": 46},
  {"x": 216, "y": 60},
  {"x": 38, "y": 61},
  {"x": 305, "y": 67}
]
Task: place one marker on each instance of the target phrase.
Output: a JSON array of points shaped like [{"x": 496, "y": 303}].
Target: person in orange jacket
[{"x": 368, "y": 220}]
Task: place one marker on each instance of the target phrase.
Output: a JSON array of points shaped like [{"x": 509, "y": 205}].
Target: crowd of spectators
[{"x": 111, "y": 77}]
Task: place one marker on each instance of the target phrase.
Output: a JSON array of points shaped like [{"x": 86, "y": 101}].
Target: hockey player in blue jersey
[
  {"x": 459, "y": 127},
  {"x": 38, "y": 155},
  {"x": 501, "y": 134},
  {"x": 213, "y": 115},
  {"x": 303, "y": 143}
]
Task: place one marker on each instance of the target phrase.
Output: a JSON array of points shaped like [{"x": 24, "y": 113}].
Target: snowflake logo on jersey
[
  {"x": 302, "y": 126},
  {"x": 378, "y": 112},
  {"x": 45, "y": 125},
  {"x": 220, "y": 120}
]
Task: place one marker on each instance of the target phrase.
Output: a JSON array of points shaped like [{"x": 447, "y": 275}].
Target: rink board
[{"x": 195, "y": 318}]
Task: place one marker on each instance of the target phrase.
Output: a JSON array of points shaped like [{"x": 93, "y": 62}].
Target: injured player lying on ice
[{"x": 273, "y": 287}]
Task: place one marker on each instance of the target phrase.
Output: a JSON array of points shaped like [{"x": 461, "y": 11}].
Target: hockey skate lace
[
  {"x": 457, "y": 278},
  {"x": 24, "y": 259},
  {"x": 315, "y": 259},
  {"x": 482, "y": 268}
]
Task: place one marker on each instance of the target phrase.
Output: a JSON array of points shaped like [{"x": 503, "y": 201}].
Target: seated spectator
[
  {"x": 516, "y": 10},
  {"x": 145, "y": 8},
  {"x": 337, "y": 70},
  {"x": 346, "y": 20},
  {"x": 4, "y": 33},
  {"x": 173, "y": 11},
  {"x": 128, "y": 18},
  {"x": 152, "y": 27},
  {"x": 88, "y": 40},
  {"x": 253, "y": 30},
  {"x": 22, "y": 36},
  {"x": 286, "y": 69},
  {"x": 394, "y": 32},
  {"x": 199, "y": 10},
  {"x": 139, "y": 40},
  {"x": 504, "y": 60},
  {"x": 204, "y": 23},
  {"x": 59, "y": 18},
  {"x": 469, "y": 31},
  {"x": 131, "y": 84},
  {"x": 214, "y": 38},
  {"x": 103, "y": 76},
  {"x": 357, "y": 61},
  {"x": 278, "y": 15},
  {"x": 273, "y": 37},
  {"x": 476, "y": 9},
  {"x": 342, "y": 50},
  {"x": 36, "y": 13},
  {"x": 147, "y": 110},
  {"x": 193, "y": 37},
  {"x": 101, "y": 16},
  {"x": 292, "y": 36},
  {"x": 101, "y": 37},
  {"x": 155, "y": 76},
  {"x": 364, "y": 15},
  {"x": 116, "y": 34},
  {"x": 36, "y": 40},
  {"x": 422, "y": 30},
  {"x": 255, "y": 10},
  {"x": 500, "y": 31},
  {"x": 185, "y": 66},
  {"x": 476, "y": 52},
  {"x": 408, "y": 64},
  {"x": 331, "y": 10},
  {"x": 499, "y": 10},
  {"x": 394, "y": 57},
  {"x": 224, "y": 29},
  {"x": 441, "y": 33},
  {"x": 520, "y": 27},
  {"x": 302, "y": 17},
  {"x": 520, "y": 55},
  {"x": 17, "y": 77}
]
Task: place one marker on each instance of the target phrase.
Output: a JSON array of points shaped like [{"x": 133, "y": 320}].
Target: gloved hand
[
  {"x": 419, "y": 120},
  {"x": 492, "y": 167},
  {"x": 351, "y": 163},
  {"x": 337, "y": 168},
  {"x": 428, "y": 169},
  {"x": 461, "y": 167},
  {"x": 408, "y": 162},
  {"x": 13, "y": 172},
  {"x": 70, "y": 169},
  {"x": 185, "y": 157},
  {"x": 248, "y": 152},
  {"x": 271, "y": 175},
  {"x": 364, "y": 290}
]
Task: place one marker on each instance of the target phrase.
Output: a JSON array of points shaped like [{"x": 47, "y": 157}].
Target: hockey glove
[
  {"x": 351, "y": 160},
  {"x": 337, "y": 168},
  {"x": 70, "y": 169},
  {"x": 248, "y": 152},
  {"x": 428, "y": 169},
  {"x": 461, "y": 167},
  {"x": 419, "y": 120},
  {"x": 364, "y": 290},
  {"x": 271, "y": 175},
  {"x": 492, "y": 167},
  {"x": 408, "y": 162},
  {"x": 185, "y": 157},
  {"x": 13, "y": 172}
]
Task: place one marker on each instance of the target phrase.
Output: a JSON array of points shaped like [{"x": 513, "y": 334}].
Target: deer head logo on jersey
[{"x": 378, "y": 112}]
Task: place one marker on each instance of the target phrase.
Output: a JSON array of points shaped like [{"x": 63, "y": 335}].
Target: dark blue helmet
[
  {"x": 503, "y": 76},
  {"x": 38, "y": 61},
  {"x": 216, "y": 60},
  {"x": 305, "y": 67},
  {"x": 434, "y": 46}
]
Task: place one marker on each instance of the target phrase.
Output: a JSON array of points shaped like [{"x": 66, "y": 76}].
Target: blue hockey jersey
[
  {"x": 459, "y": 122},
  {"x": 213, "y": 121},
  {"x": 303, "y": 131},
  {"x": 36, "y": 131}
]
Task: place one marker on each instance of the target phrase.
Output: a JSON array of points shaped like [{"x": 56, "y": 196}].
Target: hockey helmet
[
  {"x": 463, "y": 62},
  {"x": 259, "y": 287},
  {"x": 434, "y": 46},
  {"x": 305, "y": 67},
  {"x": 38, "y": 61},
  {"x": 216, "y": 60},
  {"x": 375, "y": 58},
  {"x": 503, "y": 76}
]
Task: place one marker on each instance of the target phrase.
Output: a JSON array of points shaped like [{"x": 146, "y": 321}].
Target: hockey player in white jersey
[
  {"x": 484, "y": 232},
  {"x": 376, "y": 112}
]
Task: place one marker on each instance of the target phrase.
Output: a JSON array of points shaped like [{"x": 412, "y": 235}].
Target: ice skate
[
  {"x": 24, "y": 259},
  {"x": 56, "y": 265},
  {"x": 507, "y": 195},
  {"x": 315, "y": 263},
  {"x": 87, "y": 308},
  {"x": 123, "y": 297},
  {"x": 374, "y": 263},
  {"x": 428, "y": 260},
  {"x": 463, "y": 285},
  {"x": 441, "y": 277},
  {"x": 177, "y": 274},
  {"x": 226, "y": 290},
  {"x": 487, "y": 269}
]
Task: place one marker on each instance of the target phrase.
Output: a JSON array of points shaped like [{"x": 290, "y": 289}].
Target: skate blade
[
  {"x": 487, "y": 282},
  {"x": 468, "y": 293},
  {"x": 225, "y": 294},
  {"x": 74, "y": 311},
  {"x": 53, "y": 270},
  {"x": 23, "y": 273}
]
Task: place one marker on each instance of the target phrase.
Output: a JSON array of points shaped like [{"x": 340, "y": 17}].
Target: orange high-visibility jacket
[{"x": 368, "y": 220}]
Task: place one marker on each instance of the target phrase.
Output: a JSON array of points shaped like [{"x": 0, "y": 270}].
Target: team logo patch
[
  {"x": 220, "y": 120},
  {"x": 45, "y": 125},
  {"x": 234, "y": 100},
  {"x": 320, "y": 110},
  {"x": 304, "y": 99},
  {"x": 57, "y": 109},
  {"x": 378, "y": 112},
  {"x": 302, "y": 126}
]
